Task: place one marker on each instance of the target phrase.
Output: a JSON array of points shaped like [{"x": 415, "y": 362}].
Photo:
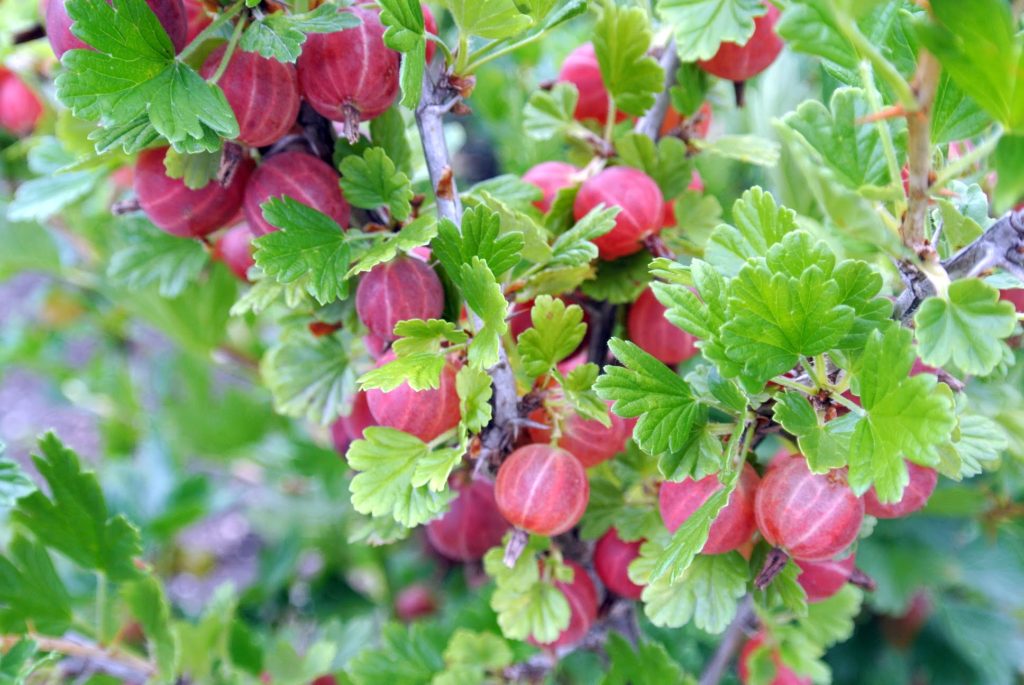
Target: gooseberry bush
[{"x": 554, "y": 341}]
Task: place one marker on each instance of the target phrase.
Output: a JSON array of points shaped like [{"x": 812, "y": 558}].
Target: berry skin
[
  {"x": 20, "y": 107},
  {"x": 550, "y": 177},
  {"x": 234, "y": 248},
  {"x": 586, "y": 439},
  {"x": 582, "y": 70},
  {"x": 641, "y": 204},
  {"x": 423, "y": 413},
  {"x": 263, "y": 94},
  {"x": 171, "y": 14},
  {"x": 654, "y": 334},
  {"x": 1014, "y": 296},
  {"x": 300, "y": 176},
  {"x": 922, "y": 483},
  {"x": 734, "y": 524},
  {"x": 404, "y": 288},
  {"x": 783, "y": 674},
  {"x": 430, "y": 26},
  {"x": 349, "y": 428},
  {"x": 180, "y": 210},
  {"x": 472, "y": 524},
  {"x": 542, "y": 489},
  {"x": 701, "y": 125},
  {"x": 823, "y": 579},
  {"x": 582, "y": 597},
  {"x": 350, "y": 76},
  {"x": 414, "y": 602},
  {"x": 813, "y": 517},
  {"x": 612, "y": 557},
  {"x": 741, "y": 62}
]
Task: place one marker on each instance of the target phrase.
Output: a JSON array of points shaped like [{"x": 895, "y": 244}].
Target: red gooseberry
[
  {"x": 234, "y": 249},
  {"x": 740, "y": 62},
  {"x": 297, "y": 175},
  {"x": 919, "y": 488},
  {"x": 542, "y": 489},
  {"x": 404, "y": 288},
  {"x": 20, "y": 107},
  {"x": 414, "y": 602},
  {"x": 581, "y": 69},
  {"x": 656, "y": 335},
  {"x": 471, "y": 526},
  {"x": 783, "y": 674},
  {"x": 550, "y": 177},
  {"x": 582, "y": 597},
  {"x": 823, "y": 579},
  {"x": 735, "y": 522},
  {"x": 612, "y": 557},
  {"x": 423, "y": 413},
  {"x": 640, "y": 202},
  {"x": 588, "y": 440}
]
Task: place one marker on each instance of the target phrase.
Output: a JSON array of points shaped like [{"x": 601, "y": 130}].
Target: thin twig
[
  {"x": 731, "y": 642},
  {"x": 919, "y": 149},
  {"x": 650, "y": 123},
  {"x": 121, "y": 664}
]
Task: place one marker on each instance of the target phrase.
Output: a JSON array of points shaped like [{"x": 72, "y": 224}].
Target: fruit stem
[
  {"x": 773, "y": 565},
  {"x": 862, "y": 580},
  {"x": 875, "y": 102},
  {"x": 480, "y": 58},
  {"x": 515, "y": 547},
  {"x": 793, "y": 385},
  {"x": 884, "y": 67},
  {"x": 236, "y": 35},
  {"x": 214, "y": 26},
  {"x": 744, "y": 621}
]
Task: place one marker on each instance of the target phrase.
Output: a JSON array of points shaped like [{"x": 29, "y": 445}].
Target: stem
[
  {"x": 214, "y": 26},
  {"x": 875, "y": 102},
  {"x": 957, "y": 168},
  {"x": 773, "y": 565},
  {"x": 650, "y": 123},
  {"x": 101, "y": 607},
  {"x": 793, "y": 385},
  {"x": 123, "y": 665},
  {"x": 609, "y": 123},
  {"x": 236, "y": 35},
  {"x": 884, "y": 67},
  {"x": 840, "y": 400},
  {"x": 730, "y": 644},
  {"x": 919, "y": 148},
  {"x": 480, "y": 58}
]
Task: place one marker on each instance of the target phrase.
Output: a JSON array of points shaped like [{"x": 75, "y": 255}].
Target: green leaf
[
  {"x": 527, "y": 605},
  {"x": 280, "y": 36},
  {"x": 485, "y": 299},
  {"x": 195, "y": 171},
  {"x": 785, "y": 590},
  {"x": 1007, "y": 163},
  {"x": 701, "y": 456},
  {"x": 549, "y": 113},
  {"x": 37, "y": 250},
  {"x": 965, "y": 329},
  {"x": 784, "y": 307},
  {"x": 406, "y": 656},
  {"x": 310, "y": 248},
  {"x": 650, "y": 664},
  {"x": 420, "y": 231},
  {"x": 388, "y": 461},
  {"x": 372, "y": 181},
  {"x": 760, "y": 224},
  {"x": 826, "y": 445},
  {"x": 480, "y": 237},
  {"x": 852, "y": 150},
  {"x": 421, "y": 370},
  {"x": 406, "y": 34},
  {"x": 74, "y": 519},
  {"x": 14, "y": 483},
  {"x": 417, "y": 335},
  {"x": 153, "y": 256},
  {"x": 579, "y": 391},
  {"x": 978, "y": 48},
  {"x": 688, "y": 540},
  {"x": 749, "y": 149},
  {"x": 31, "y": 592},
  {"x": 978, "y": 443},
  {"x": 149, "y": 606},
  {"x": 830, "y": 621},
  {"x": 621, "y": 39},
  {"x": 667, "y": 163},
  {"x": 646, "y": 388},
  {"x": 700, "y": 26},
  {"x": 619, "y": 281},
  {"x": 152, "y": 88},
  {"x": 474, "y": 388},
  {"x": 955, "y": 115},
  {"x": 907, "y": 418},
  {"x": 308, "y": 378},
  {"x": 706, "y": 593},
  {"x": 512, "y": 220},
  {"x": 485, "y": 650},
  {"x": 494, "y": 19},
  {"x": 575, "y": 246},
  {"x": 38, "y": 199},
  {"x": 557, "y": 330}
]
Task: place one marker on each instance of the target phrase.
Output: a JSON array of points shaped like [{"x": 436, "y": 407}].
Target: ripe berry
[
  {"x": 699, "y": 127},
  {"x": 1014, "y": 296},
  {"x": 300, "y": 176},
  {"x": 741, "y": 62},
  {"x": 350, "y": 427},
  {"x": 415, "y": 602},
  {"x": 582, "y": 70},
  {"x": 179, "y": 210},
  {"x": 668, "y": 214},
  {"x": 171, "y": 14},
  {"x": 822, "y": 579},
  {"x": 20, "y": 107},
  {"x": 542, "y": 489},
  {"x": 641, "y": 204},
  {"x": 350, "y": 76},
  {"x": 263, "y": 94},
  {"x": 586, "y": 439},
  {"x": 404, "y": 288},
  {"x": 654, "y": 334},
  {"x": 734, "y": 524},
  {"x": 612, "y": 557},
  {"x": 811, "y": 516},
  {"x": 472, "y": 524},
  {"x": 423, "y": 413},
  {"x": 550, "y": 177},
  {"x": 196, "y": 18},
  {"x": 234, "y": 248},
  {"x": 582, "y": 597},
  {"x": 430, "y": 26},
  {"x": 901, "y": 631},
  {"x": 920, "y": 487},
  {"x": 783, "y": 674}
]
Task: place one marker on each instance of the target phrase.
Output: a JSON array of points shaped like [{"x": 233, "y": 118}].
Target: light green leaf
[
  {"x": 308, "y": 378},
  {"x": 760, "y": 224},
  {"x": 826, "y": 445},
  {"x": 700, "y": 26},
  {"x": 557, "y": 330},
  {"x": 621, "y": 38},
  {"x": 485, "y": 299},
  {"x": 706, "y": 593},
  {"x": 749, "y": 149},
  {"x": 526, "y": 604},
  {"x": 474, "y": 388},
  {"x": 280, "y": 36},
  {"x": 494, "y": 19},
  {"x": 152, "y": 256},
  {"x": 418, "y": 232},
  {"x": 371, "y": 180},
  {"x": 549, "y": 113}
]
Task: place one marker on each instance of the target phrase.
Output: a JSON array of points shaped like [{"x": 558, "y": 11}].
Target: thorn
[
  {"x": 516, "y": 546},
  {"x": 890, "y": 112},
  {"x": 445, "y": 184}
]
